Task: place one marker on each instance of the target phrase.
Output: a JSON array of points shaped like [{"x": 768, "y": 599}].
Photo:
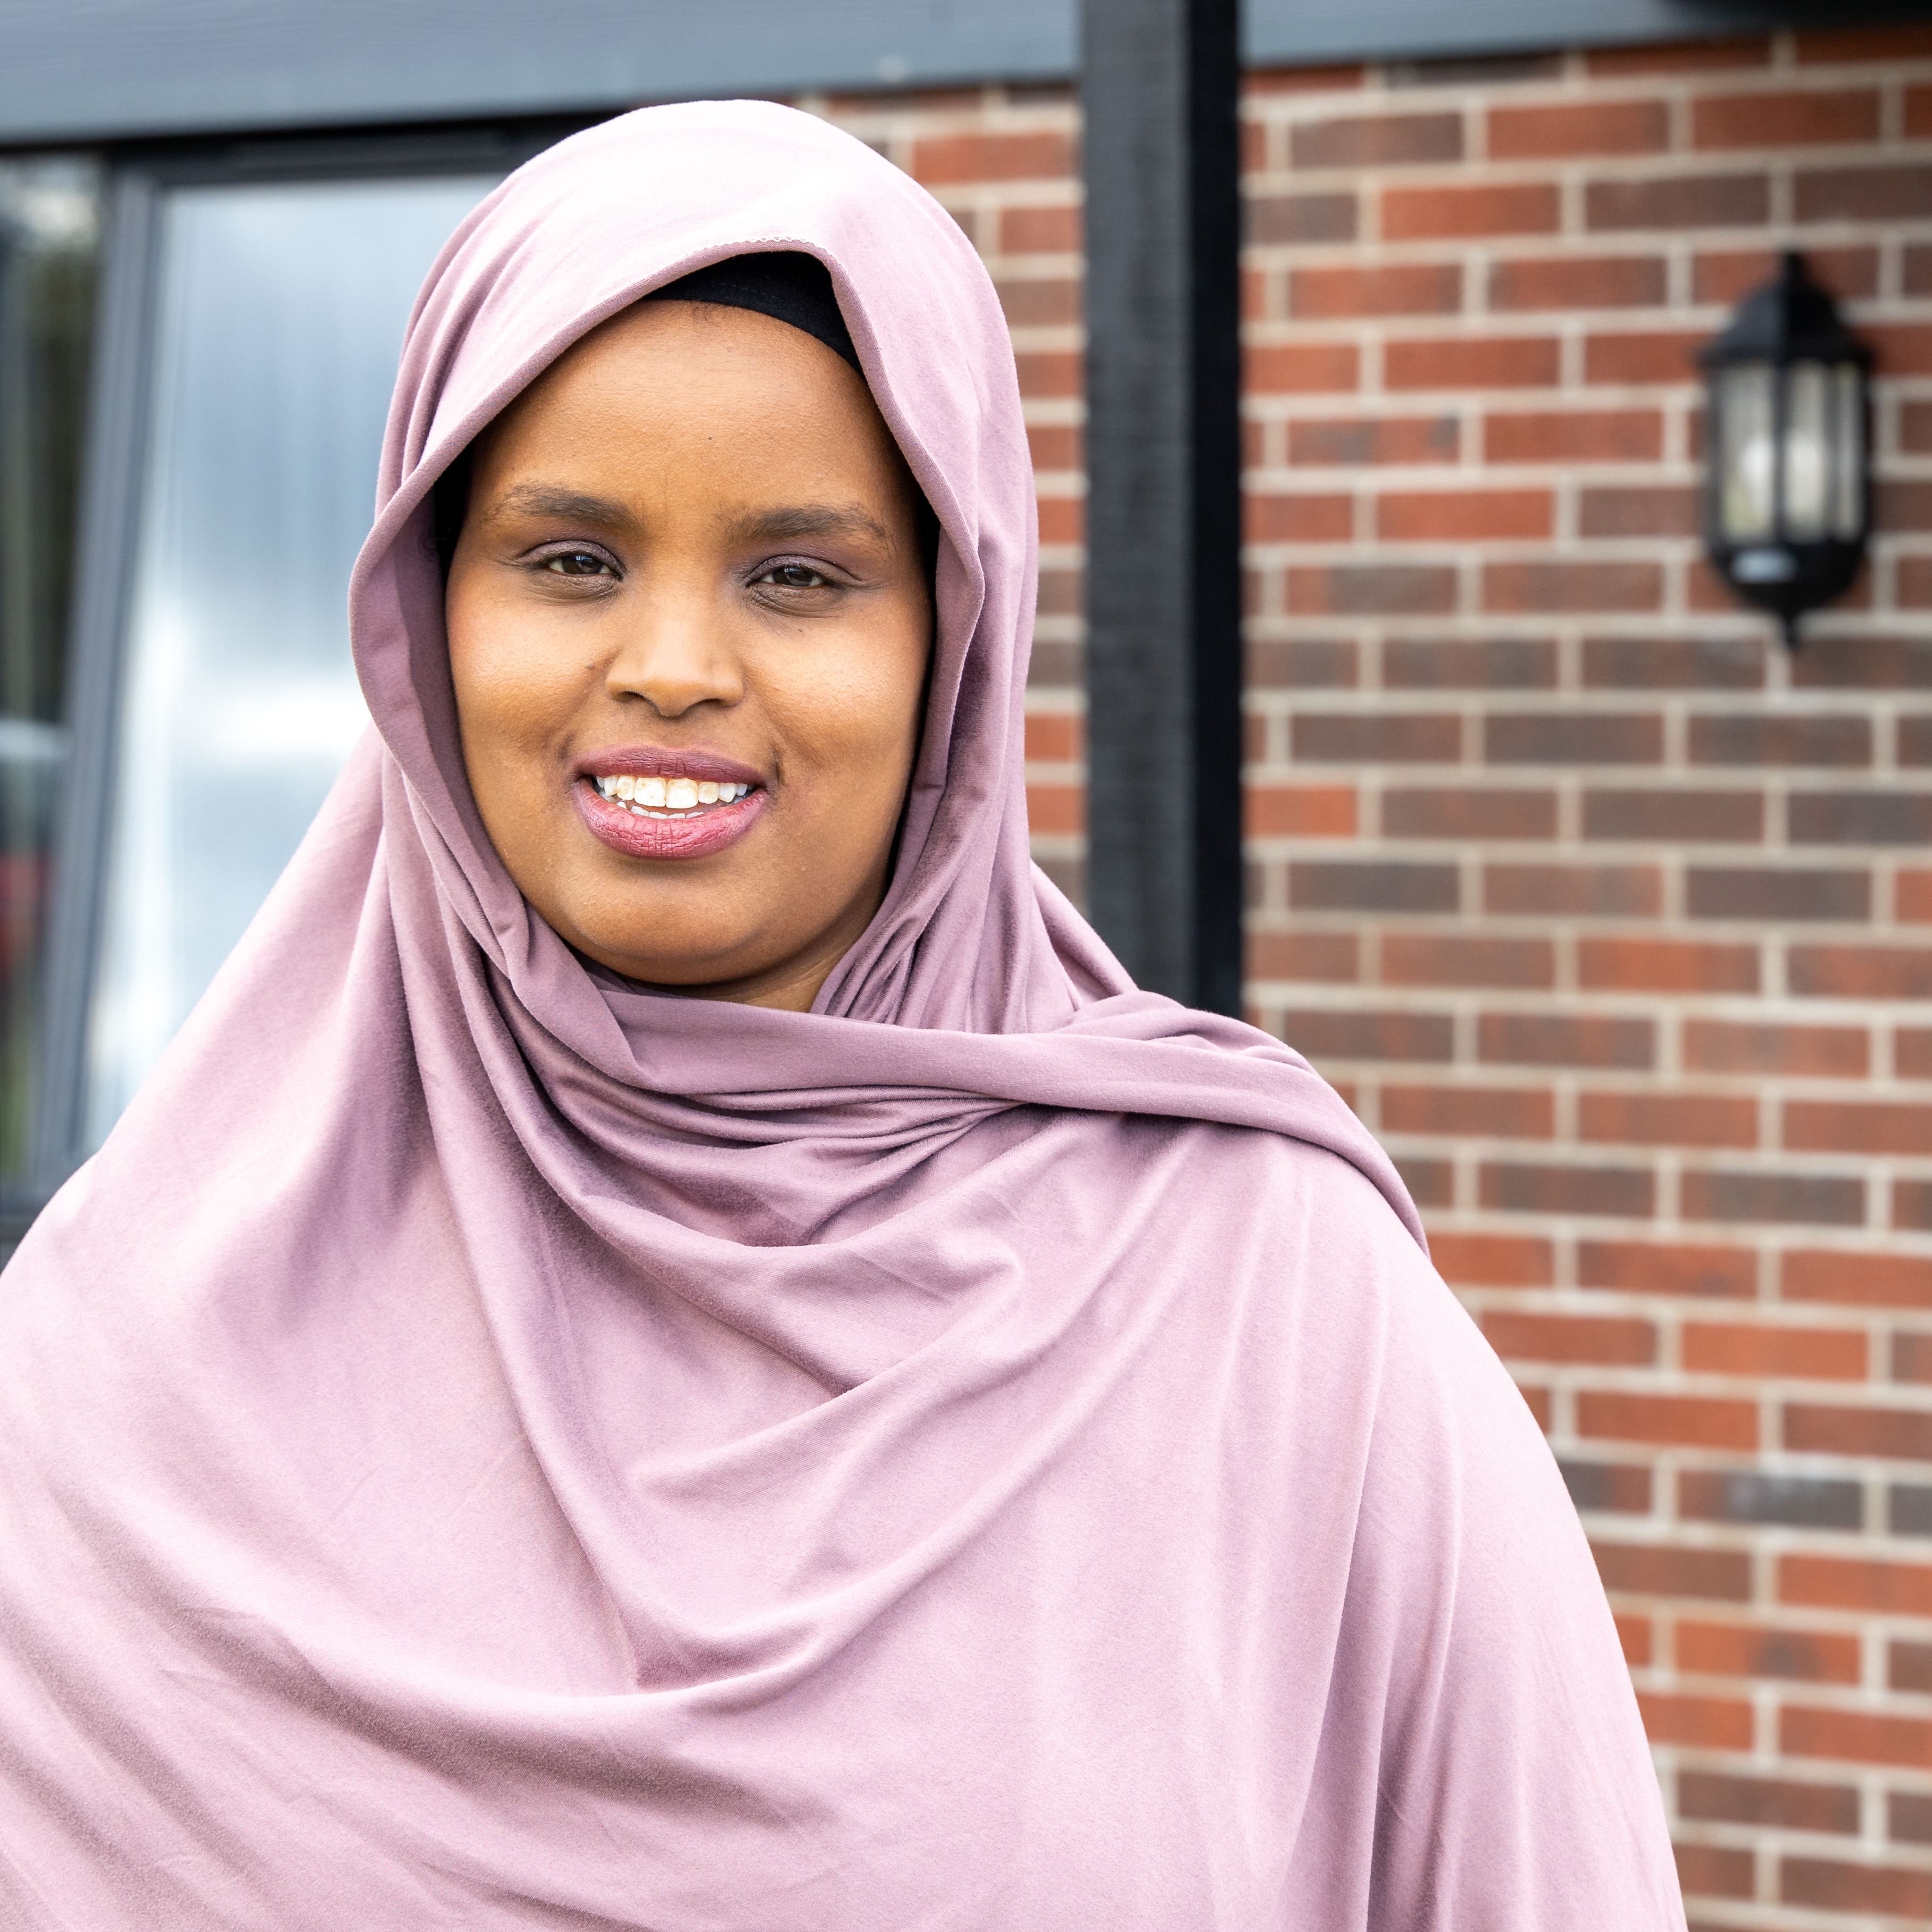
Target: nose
[{"x": 675, "y": 655}]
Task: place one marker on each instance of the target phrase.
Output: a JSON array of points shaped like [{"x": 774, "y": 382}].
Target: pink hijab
[{"x": 485, "y": 1446}]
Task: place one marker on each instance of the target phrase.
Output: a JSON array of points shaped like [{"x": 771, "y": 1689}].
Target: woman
[{"x": 673, "y": 1346}]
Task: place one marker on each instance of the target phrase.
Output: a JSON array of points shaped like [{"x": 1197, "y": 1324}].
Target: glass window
[
  {"x": 279, "y": 311},
  {"x": 50, "y": 245}
]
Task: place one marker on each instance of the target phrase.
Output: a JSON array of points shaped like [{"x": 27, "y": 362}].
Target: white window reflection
[{"x": 280, "y": 310}]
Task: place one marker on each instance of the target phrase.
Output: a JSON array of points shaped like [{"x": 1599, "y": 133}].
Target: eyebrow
[
  {"x": 546, "y": 500},
  {"x": 809, "y": 520}
]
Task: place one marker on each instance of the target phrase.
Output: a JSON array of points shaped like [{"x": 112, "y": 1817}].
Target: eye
[
  {"x": 576, "y": 563},
  {"x": 793, "y": 577}
]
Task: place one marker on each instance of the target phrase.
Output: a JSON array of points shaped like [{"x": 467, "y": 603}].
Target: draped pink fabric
[{"x": 486, "y": 1446}]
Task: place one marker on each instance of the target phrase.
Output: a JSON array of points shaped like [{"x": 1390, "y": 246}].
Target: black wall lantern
[{"x": 1787, "y": 448}]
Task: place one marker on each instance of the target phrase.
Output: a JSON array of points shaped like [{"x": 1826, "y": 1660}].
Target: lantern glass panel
[
  {"x": 1747, "y": 452},
  {"x": 1807, "y": 446},
  {"x": 1848, "y": 449}
]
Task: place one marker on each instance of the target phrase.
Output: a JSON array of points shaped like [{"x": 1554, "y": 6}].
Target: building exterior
[{"x": 1613, "y": 919}]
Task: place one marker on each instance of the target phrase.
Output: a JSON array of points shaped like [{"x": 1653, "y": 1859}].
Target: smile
[{"x": 667, "y": 798}]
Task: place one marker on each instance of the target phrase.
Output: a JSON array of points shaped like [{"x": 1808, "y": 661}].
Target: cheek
[{"x": 853, "y": 717}]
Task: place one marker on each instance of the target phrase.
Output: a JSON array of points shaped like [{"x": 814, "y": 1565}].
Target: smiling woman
[
  {"x": 690, "y": 563},
  {"x": 673, "y": 1345}
]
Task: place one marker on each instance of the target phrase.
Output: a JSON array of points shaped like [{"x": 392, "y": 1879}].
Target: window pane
[
  {"x": 49, "y": 236},
  {"x": 280, "y": 310}
]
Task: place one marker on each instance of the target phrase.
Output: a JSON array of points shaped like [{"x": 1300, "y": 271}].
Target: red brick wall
[{"x": 1613, "y": 921}]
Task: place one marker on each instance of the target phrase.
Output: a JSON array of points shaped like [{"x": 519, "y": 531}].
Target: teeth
[{"x": 642, "y": 795}]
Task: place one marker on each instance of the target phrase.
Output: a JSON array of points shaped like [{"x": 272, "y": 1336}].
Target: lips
[{"x": 649, "y": 803}]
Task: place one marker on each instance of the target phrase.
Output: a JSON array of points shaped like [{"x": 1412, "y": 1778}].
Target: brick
[
  {"x": 1831, "y": 1885},
  {"x": 1773, "y": 893},
  {"x": 1666, "y": 966},
  {"x": 1909, "y": 1818},
  {"x": 1480, "y": 663},
  {"x": 1900, "y": 193},
  {"x": 1761, "y": 1349},
  {"x": 1854, "y": 1583},
  {"x": 1657, "y": 1267},
  {"x": 1463, "y": 515},
  {"x": 1304, "y": 811},
  {"x": 1053, "y": 736},
  {"x": 1586, "y": 587},
  {"x": 1732, "y": 1650},
  {"x": 1911, "y": 1358},
  {"x": 1910, "y": 1666},
  {"x": 1039, "y": 301},
  {"x": 1517, "y": 1336},
  {"x": 1536, "y": 1401},
  {"x": 1054, "y": 230},
  {"x": 1618, "y": 1488},
  {"x": 1319, "y": 956},
  {"x": 1914, "y": 574},
  {"x": 1860, "y": 818},
  {"x": 1405, "y": 288},
  {"x": 1488, "y": 208},
  {"x": 1700, "y": 1421},
  {"x": 1042, "y": 155},
  {"x": 1660, "y": 1570},
  {"x": 1866, "y": 664},
  {"x": 1579, "y": 128},
  {"x": 1869, "y": 1280},
  {"x": 1826, "y": 1200},
  {"x": 1911, "y": 1053},
  {"x": 1668, "y": 1120},
  {"x": 1523, "y": 1113},
  {"x": 1902, "y": 349},
  {"x": 1565, "y": 1039},
  {"x": 1569, "y": 282},
  {"x": 1678, "y": 664},
  {"x": 1912, "y": 1204},
  {"x": 1679, "y": 201},
  {"x": 1854, "y": 1127},
  {"x": 1573, "y": 738},
  {"x": 1054, "y": 372},
  {"x": 1269, "y": 517},
  {"x": 1520, "y": 1187},
  {"x": 1323, "y": 1035},
  {"x": 1378, "y": 140},
  {"x": 1733, "y": 1046},
  {"x": 1431, "y": 1182},
  {"x": 1861, "y": 972},
  {"x": 1472, "y": 362},
  {"x": 1825, "y": 739},
  {"x": 1372, "y": 590},
  {"x": 1646, "y": 510},
  {"x": 1579, "y": 436},
  {"x": 1703, "y": 1871},
  {"x": 1289, "y": 368},
  {"x": 1376, "y": 737},
  {"x": 1915, "y": 428},
  {"x": 1602, "y": 892},
  {"x": 1897, "y": 42},
  {"x": 1646, "y": 356},
  {"x": 1635, "y": 1634},
  {"x": 1682, "y": 816},
  {"x": 1908, "y": 1509},
  {"x": 1300, "y": 663},
  {"x": 1449, "y": 959},
  {"x": 1444, "y": 811},
  {"x": 1056, "y": 808},
  {"x": 1493, "y": 1261},
  {"x": 1279, "y": 219},
  {"x": 1914, "y": 740},
  {"x": 1354, "y": 441},
  {"x": 1901, "y": 1435},
  {"x": 1727, "y": 275},
  {"x": 1796, "y": 118},
  {"x": 1679, "y": 57},
  {"x": 1726, "y": 1798}
]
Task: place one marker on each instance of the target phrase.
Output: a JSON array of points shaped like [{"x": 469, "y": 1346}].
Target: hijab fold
[{"x": 486, "y": 1445}]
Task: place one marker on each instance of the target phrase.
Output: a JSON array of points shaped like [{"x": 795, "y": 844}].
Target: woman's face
[{"x": 689, "y": 626}]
